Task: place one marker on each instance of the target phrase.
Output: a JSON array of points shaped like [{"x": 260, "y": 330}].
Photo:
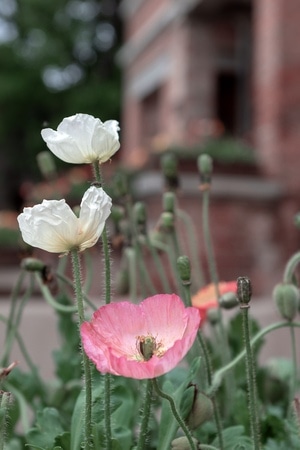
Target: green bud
[
  {"x": 205, "y": 167},
  {"x": 33, "y": 265},
  {"x": 5, "y": 403},
  {"x": 184, "y": 268},
  {"x": 244, "y": 290},
  {"x": 228, "y": 300},
  {"x": 117, "y": 213},
  {"x": 169, "y": 165},
  {"x": 167, "y": 220},
  {"x": 202, "y": 410},
  {"x": 169, "y": 200},
  {"x": 297, "y": 220},
  {"x": 140, "y": 217},
  {"x": 182, "y": 443},
  {"x": 46, "y": 164},
  {"x": 213, "y": 316},
  {"x": 286, "y": 296},
  {"x": 120, "y": 184},
  {"x": 169, "y": 168}
]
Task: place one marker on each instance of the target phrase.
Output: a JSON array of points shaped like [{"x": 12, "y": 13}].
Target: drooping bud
[
  {"x": 201, "y": 411},
  {"x": 169, "y": 166},
  {"x": 286, "y": 296},
  {"x": 182, "y": 443},
  {"x": 228, "y": 300},
  {"x": 184, "y": 269},
  {"x": 244, "y": 290},
  {"x": 33, "y": 265},
  {"x": 46, "y": 165},
  {"x": 205, "y": 167}
]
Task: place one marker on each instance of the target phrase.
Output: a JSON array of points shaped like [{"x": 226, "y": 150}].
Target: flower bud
[
  {"x": 184, "y": 268},
  {"x": 228, "y": 300},
  {"x": 33, "y": 265},
  {"x": 201, "y": 411},
  {"x": 169, "y": 202},
  {"x": 140, "y": 217},
  {"x": 205, "y": 167},
  {"x": 167, "y": 221},
  {"x": 117, "y": 213},
  {"x": 297, "y": 220},
  {"x": 213, "y": 316},
  {"x": 46, "y": 164},
  {"x": 244, "y": 290},
  {"x": 286, "y": 296},
  {"x": 182, "y": 443},
  {"x": 169, "y": 168}
]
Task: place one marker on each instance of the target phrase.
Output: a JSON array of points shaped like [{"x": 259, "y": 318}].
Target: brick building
[{"x": 237, "y": 62}]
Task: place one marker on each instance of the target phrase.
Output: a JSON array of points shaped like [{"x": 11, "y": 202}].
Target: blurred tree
[{"x": 56, "y": 59}]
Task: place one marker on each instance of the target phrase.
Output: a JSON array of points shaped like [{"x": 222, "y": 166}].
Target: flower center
[{"x": 148, "y": 346}]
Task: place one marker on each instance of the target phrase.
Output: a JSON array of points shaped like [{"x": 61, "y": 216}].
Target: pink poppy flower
[
  {"x": 206, "y": 297},
  {"x": 140, "y": 341}
]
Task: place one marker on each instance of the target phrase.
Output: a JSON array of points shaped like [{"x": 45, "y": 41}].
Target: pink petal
[{"x": 110, "y": 339}]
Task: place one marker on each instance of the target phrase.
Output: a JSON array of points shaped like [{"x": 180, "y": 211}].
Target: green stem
[
  {"x": 144, "y": 273},
  {"x": 143, "y": 436},
  {"x": 131, "y": 258},
  {"x": 97, "y": 172},
  {"x": 159, "y": 266},
  {"x": 24, "y": 351},
  {"x": 207, "y": 447},
  {"x": 251, "y": 379},
  {"x": 107, "y": 411},
  {"x": 86, "y": 364},
  {"x": 176, "y": 414},
  {"x": 197, "y": 274},
  {"x": 71, "y": 284},
  {"x": 14, "y": 321},
  {"x": 294, "y": 359},
  {"x": 10, "y": 322},
  {"x": 51, "y": 300},
  {"x": 225, "y": 353},
  {"x": 290, "y": 268},
  {"x": 219, "y": 374},
  {"x": 209, "y": 371},
  {"x": 107, "y": 269}
]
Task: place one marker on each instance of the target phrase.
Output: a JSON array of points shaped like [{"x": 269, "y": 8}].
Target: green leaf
[
  {"x": 234, "y": 439},
  {"x": 47, "y": 428}
]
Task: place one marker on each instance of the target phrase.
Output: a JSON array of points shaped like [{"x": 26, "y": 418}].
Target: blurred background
[{"x": 182, "y": 77}]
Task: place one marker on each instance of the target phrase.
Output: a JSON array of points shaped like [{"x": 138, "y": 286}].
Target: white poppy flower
[
  {"x": 82, "y": 139},
  {"x": 53, "y": 226}
]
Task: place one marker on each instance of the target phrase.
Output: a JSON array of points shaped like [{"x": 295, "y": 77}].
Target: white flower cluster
[{"x": 52, "y": 225}]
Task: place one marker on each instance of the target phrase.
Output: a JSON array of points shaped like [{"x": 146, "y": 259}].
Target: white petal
[
  {"x": 82, "y": 138},
  {"x": 105, "y": 141},
  {"x": 51, "y": 226},
  {"x": 95, "y": 209}
]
